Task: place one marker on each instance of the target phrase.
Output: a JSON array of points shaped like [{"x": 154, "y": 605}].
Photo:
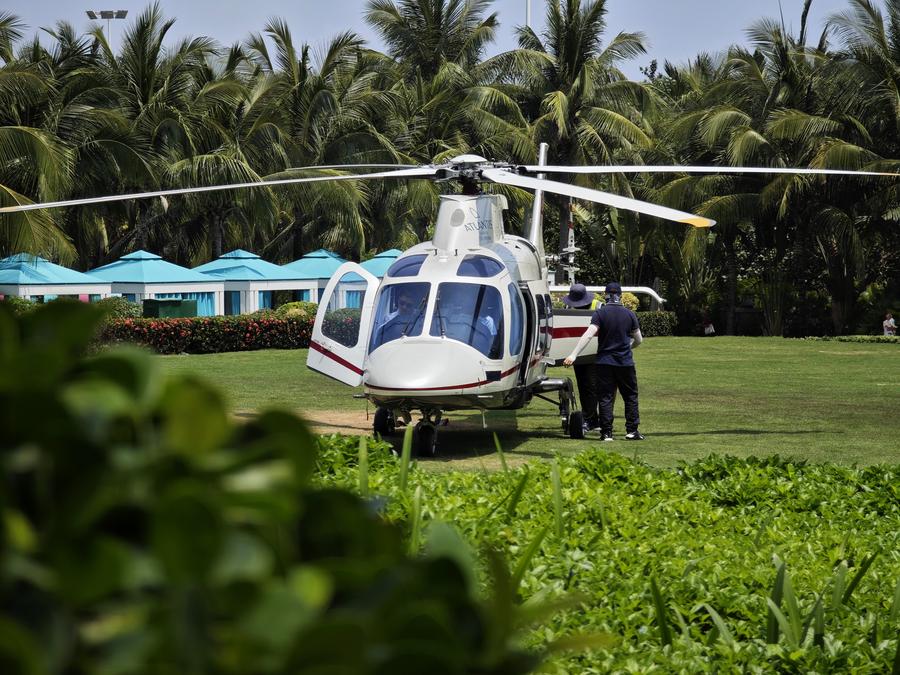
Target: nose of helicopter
[{"x": 423, "y": 365}]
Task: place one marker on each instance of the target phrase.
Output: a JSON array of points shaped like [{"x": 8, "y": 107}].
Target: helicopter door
[
  {"x": 530, "y": 333},
  {"x": 340, "y": 334}
]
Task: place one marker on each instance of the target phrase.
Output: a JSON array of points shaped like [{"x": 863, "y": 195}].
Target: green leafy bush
[
  {"x": 144, "y": 531},
  {"x": 297, "y": 310},
  {"x": 205, "y": 335},
  {"x": 19, "y": 305},
  {"x": 117, "y": 307},
  {"x": 682, "y": 564},
  {"x": 657, "y": 324}
]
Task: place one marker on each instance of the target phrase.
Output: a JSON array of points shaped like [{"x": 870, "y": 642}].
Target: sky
[{"x": 676, "y": 30}]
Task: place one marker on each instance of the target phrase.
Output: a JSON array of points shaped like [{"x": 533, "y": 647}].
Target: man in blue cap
[
  {"x": 580, "y": 297},
  {"x": 618, "y": 332}
]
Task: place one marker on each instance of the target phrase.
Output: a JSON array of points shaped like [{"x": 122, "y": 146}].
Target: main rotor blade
[
  {"x": 358, "y": 166},
  {"x": 640, "y": 168},
  {"x": 421, "y": 172},
  {"x": 618, "y": 201}
]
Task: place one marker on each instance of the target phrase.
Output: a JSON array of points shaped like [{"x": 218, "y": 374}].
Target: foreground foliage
[
  {"x": 723, "y": 565},
  {"x": 144, "y": 532}
]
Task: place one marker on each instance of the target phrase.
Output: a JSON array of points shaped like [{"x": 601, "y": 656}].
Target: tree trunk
[
  {"x": 843, "y": 299},
  {"x": 731, "y": 288},
  {"x": 216, "y": 238}
]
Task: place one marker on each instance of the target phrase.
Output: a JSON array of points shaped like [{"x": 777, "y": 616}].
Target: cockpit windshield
[
  {"x": 470, "y": 313},
  {"x": 400, "y": 312}
]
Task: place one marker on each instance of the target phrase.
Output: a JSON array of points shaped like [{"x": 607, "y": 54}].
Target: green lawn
[{"x": 823, "y": 401}]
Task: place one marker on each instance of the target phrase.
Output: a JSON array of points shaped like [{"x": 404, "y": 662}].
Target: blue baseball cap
[{"x": 613, "y": 287}]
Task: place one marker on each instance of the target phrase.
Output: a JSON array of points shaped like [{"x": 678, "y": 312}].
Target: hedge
[
  {"x": 206, "y": 335},
  {"x": 880, "y": 339},
  {"x": 656, "y": 324},
  {"x": 265, "y": 330}
]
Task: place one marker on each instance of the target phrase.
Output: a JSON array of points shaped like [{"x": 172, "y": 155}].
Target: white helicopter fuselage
[
  {"x": 439, "y": 368},
  {"x": 489, "y": 351}
]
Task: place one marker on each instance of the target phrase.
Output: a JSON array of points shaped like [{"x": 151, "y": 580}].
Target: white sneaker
[{"x": 634, "y": 436}]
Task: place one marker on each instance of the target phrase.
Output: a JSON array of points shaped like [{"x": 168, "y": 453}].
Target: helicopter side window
[
  {"x": 400, "y": 312},
  {"x": 544, "y": 323},
  {"x": 342, "y": 315},
  {"x": 470, "y": 313},
  {"x": 406, "y": 267},
  {"x": 479, "y": 266},
  {"x": 516, "y": 320}
]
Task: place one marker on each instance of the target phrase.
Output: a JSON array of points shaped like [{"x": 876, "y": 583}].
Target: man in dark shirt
[{"x": 617, "y": 331}]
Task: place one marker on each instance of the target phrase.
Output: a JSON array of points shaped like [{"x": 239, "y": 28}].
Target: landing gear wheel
[
  {"x": 425, "y": 440},
  {"x": 576, "y": 424},
  {"x": 383, "y": 424},
  {"x": 564, "y": 414}
]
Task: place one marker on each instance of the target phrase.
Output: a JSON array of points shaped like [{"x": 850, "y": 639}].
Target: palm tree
[
  {"x": 868, "y": 77},
  {"x": 442, "y": 101},
  {"x": 325, "y": 108},
  {"x": 424, "y": 35},
  {"x": 573, "y": 92},
  {"x": 34, "y": 164}
]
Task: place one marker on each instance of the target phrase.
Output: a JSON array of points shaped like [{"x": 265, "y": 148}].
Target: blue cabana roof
[
  {"x": 24, "y": 269},
  {"x": 240, "y": 265},
  {"x": 142, "y": 267},
  {"x": 321, "y": 264},
  {"x": 378, "y": 266}
]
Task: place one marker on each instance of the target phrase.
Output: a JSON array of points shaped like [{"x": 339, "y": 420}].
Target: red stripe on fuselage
[
  {"x": 468, "y": 385},
  {"x": 334, "y": 357},
  {"x": 568, "y": 332}
]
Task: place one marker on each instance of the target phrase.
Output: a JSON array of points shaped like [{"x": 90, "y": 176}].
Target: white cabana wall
[
  {"x": 248, "y": 279},
  {"x": 143, "y": 276}
]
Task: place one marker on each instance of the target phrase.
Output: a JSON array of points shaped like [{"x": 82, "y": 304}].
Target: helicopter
[{"x": 465, "y": 320}]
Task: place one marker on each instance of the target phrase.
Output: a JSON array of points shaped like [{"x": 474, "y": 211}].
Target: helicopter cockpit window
[
  {"x": 470, "y": 313},
  {"x": 400, "y": 312},
  {"x": 478, "y": 266},
  {"x": 406, "y": 267}
]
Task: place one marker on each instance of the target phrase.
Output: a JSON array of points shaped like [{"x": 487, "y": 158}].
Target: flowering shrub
[
  {"x": 206, "y": 335},
  {"x": 630, "y": 300}
]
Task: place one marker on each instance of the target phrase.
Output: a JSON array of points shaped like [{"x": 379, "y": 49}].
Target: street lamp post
[{"x": 107, "y": 14}]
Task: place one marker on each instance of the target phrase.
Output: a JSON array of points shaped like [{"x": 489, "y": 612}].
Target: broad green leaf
[{"x": 194, "y": 418}]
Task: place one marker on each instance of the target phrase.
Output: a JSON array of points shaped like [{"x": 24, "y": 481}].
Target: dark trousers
[
  {"x": 623, "y": 378},
  {"x": 586, "y": 377}
]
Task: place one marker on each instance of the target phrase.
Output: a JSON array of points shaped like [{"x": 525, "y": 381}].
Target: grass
[{"x": 820, "y": 401}]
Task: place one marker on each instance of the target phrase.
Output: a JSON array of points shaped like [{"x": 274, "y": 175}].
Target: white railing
[{"x": 637, "y": 290}]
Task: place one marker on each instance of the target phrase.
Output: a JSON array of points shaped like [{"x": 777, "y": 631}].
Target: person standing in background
[
  {"x": 585, "y": 373},
  {"x": 889, "y": 325}
]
